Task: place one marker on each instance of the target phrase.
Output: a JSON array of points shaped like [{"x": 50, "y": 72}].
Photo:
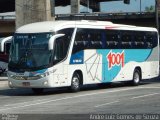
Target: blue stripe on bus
[
  {"x": 139, "y": 55},
  {"x": 37, "y": 72},
  {"x": 77, "y": 58}
]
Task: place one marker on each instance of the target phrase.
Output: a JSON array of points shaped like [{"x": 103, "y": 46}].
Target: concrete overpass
[
  {"x": 7, "y": 25},
  {"x": 139, "y": 19},
  {"x": 132, "y": 18},
  {"x": 9, "y": 5},
  {"x": 31, "y": 11},
  {"x": 7, "y": 28}
]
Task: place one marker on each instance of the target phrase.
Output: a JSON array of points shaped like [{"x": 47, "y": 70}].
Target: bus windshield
[{"x": 30, "y": 51}]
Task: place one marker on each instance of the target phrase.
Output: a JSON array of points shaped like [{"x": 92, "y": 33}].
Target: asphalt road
[{"x": 92, "y": 99}]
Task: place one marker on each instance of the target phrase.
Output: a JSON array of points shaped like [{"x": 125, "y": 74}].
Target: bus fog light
[
  {"x": 45, "y": 83},
  {"x": 10, "y": 84}
]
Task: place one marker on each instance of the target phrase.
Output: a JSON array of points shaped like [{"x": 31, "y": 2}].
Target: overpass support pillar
[
  {"x": 95, "y": 5},
  {"x": 75, "y": 6},
  {"x": 29, "y": 11}
]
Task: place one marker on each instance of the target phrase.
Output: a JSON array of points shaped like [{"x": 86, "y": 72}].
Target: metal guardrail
[
  {"x": 94, "y": 15},
  {"x": 106, "y": 15},
  {"x": 7, "y": 17}
]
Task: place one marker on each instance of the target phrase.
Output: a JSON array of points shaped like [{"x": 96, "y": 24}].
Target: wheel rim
[
  {"x": 75, "y": 82},
  {"x": 1, "y": 70},
  {"x": 136, "y": 77}
]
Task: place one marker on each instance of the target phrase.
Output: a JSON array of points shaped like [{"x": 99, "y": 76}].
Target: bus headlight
[
  {"x": 42, "y": 75},
  {"x": 10, "y": 75},
  {"x": 10, "y": 84},
  {"x": 47, "y": 73},
  {"x": 34, "y": 77}
]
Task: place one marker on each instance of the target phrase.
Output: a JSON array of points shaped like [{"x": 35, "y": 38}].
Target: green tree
[{"x": 150, "y": 9}]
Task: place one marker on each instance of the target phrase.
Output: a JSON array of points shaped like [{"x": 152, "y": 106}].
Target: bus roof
[{"x": 52, "y": 26}]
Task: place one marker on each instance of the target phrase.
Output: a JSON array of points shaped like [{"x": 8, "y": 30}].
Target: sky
[
  {"x": 114, "y": 6},
  {"x": 134, "y": 6}
]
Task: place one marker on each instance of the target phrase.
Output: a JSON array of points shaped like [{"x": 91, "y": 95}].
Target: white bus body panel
[{"x": 92, "y": 67}]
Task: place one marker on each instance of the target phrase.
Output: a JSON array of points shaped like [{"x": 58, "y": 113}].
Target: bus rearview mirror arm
[
  {"x": 52, "y": 39},
  {"x": 7, "y": 39}
]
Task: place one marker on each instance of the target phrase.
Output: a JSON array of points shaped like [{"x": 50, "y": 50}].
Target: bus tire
[
  {"x": 136, "y": 77},
  {"x": 37, "y": 90},
  {"x": 75, "y": 83},
  {"x": 2, "y": 70}
]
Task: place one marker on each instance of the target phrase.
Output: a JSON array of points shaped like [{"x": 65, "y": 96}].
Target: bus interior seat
[
  {"x": 81, "y": 43},
  {"x": 149, "y": 45},
  {"x": 109, "y": 43},
  {"x": 96, "y": 42},
  {"x": 137, "y": 43}
]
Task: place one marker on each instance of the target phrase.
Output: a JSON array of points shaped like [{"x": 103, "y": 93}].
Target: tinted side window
[
  {"x": 7, "y": 47},
  {"x": 87, "y": 39},
  {"x": 151, "y": 39},
  {"x": 63, "y": 43},
  {"x": 139, "y": 40},
  {"x": 126, "y": 39},
  {"x": 96, "y": 39},
  {"x": 81, "y": 40},
  {"x": 112, "y": 39}
]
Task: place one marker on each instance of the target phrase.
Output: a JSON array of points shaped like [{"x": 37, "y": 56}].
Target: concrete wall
[
  {"x": 75, "y": 6},
  {"x": 7, "y": 28},
  {"x": 29, "y": 11}
]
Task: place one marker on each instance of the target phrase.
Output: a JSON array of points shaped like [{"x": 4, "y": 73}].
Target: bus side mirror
[
  {"x": 3, "y": 41},
  {"x": 52, "y": 39}
]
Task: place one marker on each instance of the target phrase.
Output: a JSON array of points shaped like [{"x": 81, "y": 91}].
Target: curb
[
  {"x": 3, "y": 81},
  {"x": 3, "y": 78},
  {"x": 3, "y": 84}
]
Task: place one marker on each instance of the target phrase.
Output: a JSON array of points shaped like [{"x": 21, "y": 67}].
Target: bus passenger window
[
  {"x": 151, "y": 39},
  {"x": 126, "y": 39},
  {"x": 96, "y": 39},
  {"x": 87, "y": 39},
  {"x": 62, "y": 43},
  {"x": 139, "y": 40},
  {"x": 112, "y": 39},
  {"x": 81, "y": 41}
]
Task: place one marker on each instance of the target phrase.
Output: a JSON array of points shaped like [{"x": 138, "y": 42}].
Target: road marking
[
  {"x": 60, "y": 99},
  {"x": 106, "y": 104},
  {"x": 69, "y": 97},
  {"x": 4, "y": 97},
  {"x": 22, "y": 103},
  {"x": 147, "y": 95},
  {"x": 38, "y": 102},
  {"x": 4, "y": 78},
  {"x": 144, "y": 96},
  {"x": 148, "y": 87}
]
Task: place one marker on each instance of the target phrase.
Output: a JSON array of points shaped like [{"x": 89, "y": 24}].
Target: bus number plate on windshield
[{"x": 26, "y": 84}]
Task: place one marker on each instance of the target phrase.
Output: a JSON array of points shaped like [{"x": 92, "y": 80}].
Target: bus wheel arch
[
  {"x": 76, "y": 81},
  {"x": 2, "y": 70},
  {"x": 79, "y": 72},
  {"x": 137, "y": 76}
]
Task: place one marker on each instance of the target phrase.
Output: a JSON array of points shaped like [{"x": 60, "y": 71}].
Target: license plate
[{"x": 26, "y": 84}]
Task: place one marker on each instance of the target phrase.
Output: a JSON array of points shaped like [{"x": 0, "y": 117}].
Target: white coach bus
[{"x": 74, "y": 53}]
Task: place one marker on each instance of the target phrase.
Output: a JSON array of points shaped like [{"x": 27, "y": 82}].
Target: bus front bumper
[{"x": 39, "y": 83}]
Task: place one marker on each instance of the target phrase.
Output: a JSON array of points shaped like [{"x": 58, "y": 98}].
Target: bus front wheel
[{"x": 75, "y": 83}]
